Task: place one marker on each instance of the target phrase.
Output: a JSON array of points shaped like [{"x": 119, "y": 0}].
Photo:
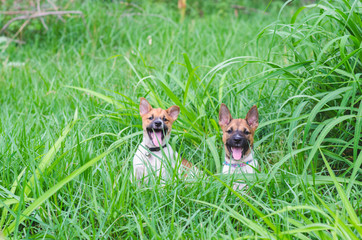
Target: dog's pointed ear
[
  {"x": 224, "y": 115},
  {"x": 173, "y": 111},
  {"x": 252, "y": 118},
  {"x": 145, "y": 106}
]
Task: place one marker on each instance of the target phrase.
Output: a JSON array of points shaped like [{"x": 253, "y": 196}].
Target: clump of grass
[{"x": 329, "y": 88}]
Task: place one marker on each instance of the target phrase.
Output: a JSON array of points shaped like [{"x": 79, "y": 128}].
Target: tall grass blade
[
  {"x": 99, "y": 95},
  {"x": 321, "y": 137},
  {"x": 346, "y": 203},
  {"x": 48, "y": 157}
]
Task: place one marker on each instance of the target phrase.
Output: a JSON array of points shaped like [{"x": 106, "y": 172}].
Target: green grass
[{"x": 70, "y": 125}]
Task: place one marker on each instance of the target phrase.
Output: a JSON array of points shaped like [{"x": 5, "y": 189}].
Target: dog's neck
[
  {"x": 243, "y": 160},
  {"x": 147, "y": 142},
  {"x": 156, "y": 149}
]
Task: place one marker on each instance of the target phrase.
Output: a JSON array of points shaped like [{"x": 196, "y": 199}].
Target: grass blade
[
  {"x": 63, "y": 182},
  {"x": 346, "y": 203}
]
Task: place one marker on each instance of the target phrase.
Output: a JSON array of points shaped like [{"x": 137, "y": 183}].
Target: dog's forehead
[
  {"x": 158, "y": 112},
  {"x": 238, "y": 124}
]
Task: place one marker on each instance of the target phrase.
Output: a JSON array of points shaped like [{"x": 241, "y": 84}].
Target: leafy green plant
[{"x": 331, "y": 85}]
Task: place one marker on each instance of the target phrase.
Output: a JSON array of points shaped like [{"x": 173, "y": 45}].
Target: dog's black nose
[
  {"x": 237, "y": 138},
  {"x": 158, "y": 123}
]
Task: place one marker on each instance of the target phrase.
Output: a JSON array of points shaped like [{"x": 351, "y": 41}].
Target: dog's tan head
[
  {"x": 157, "y": 123},
  {"x": 238, "y": 134}
]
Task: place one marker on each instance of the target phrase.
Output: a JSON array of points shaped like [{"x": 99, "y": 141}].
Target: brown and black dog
[
  {"x": 238, "y": 139},
  {"x": 154, "y": 155}
]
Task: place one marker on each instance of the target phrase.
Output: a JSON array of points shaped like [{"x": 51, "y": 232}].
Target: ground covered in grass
[{"x": 69, "y": 123}]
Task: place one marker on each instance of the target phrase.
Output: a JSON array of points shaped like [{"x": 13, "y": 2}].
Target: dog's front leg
[
  {"x": 238, "y": 186},
  {"x": 139, "y": 173}
]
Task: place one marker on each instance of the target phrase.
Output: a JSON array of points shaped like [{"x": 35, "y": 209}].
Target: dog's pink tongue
[
  {"x": 236, "y": 153},
  {"x": 155, "y": 136}
]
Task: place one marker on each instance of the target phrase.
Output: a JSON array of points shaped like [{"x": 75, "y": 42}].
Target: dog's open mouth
[
  {"x": 156, "y": 136},
  {"x": 237, "y": 152}
]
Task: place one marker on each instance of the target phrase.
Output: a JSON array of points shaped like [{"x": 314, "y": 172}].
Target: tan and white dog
[
  {"x": 238, "y": 139},
  {"x": 154, "y": 156}
]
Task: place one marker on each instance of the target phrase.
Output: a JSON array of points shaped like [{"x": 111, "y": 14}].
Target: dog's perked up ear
[
  {"x": 252, "y": 118},
  {"x": 145, "y": 106},
  {"x": 224, "y": 116},
  {"x": 173, "y": 111}
]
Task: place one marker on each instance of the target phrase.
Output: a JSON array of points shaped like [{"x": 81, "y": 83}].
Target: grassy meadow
[{"x": 70, "y": 125}]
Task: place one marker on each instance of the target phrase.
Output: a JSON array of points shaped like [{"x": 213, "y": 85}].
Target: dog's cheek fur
[
  {"x": 227, "y": 152},
  {"x": 251, "y": 140},
  {"x": 225, "y": 137},
  {"x": 145, "y": 118},
  {"x": 145, "y": 121},
  {"x": 169, "y": 125}
]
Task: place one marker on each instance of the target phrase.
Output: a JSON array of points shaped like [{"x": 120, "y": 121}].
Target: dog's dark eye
[
  {"x": 165, "y": 119},
  {"x": 246, "y": 132},
  {"x": 151, "y": 117},
  {"x": 229, "y": 131}
]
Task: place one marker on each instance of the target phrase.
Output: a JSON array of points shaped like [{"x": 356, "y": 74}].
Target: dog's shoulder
[
  {"x": 140, "y": 155},
  {"x": 143, "y": 153},
  {"x": 170, "y": 152}
]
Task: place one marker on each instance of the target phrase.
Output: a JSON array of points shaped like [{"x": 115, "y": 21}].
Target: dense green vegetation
[{"x": 69, "y": 121}]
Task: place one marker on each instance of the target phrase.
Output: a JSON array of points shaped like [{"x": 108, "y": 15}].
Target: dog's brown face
[
  {"x": 238, "y": 134},
  {"x": 157, "y": 123}
]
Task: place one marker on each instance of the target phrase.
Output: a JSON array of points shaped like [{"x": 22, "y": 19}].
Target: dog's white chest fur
[
  {"x": 157, "y": 163},
  {"x": 246, "y": 165}
]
